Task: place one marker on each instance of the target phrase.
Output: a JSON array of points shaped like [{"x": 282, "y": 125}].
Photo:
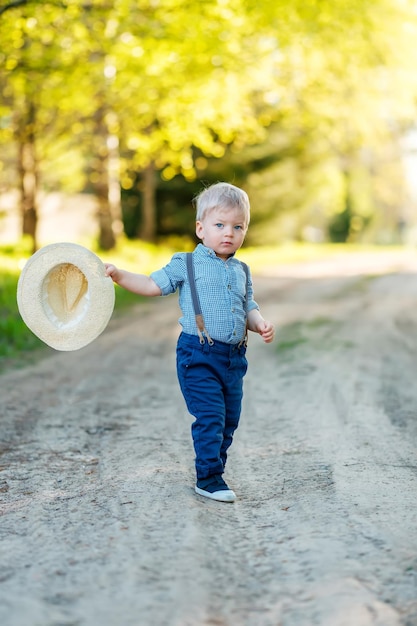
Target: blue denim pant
[{"x": 211, "y": 381}]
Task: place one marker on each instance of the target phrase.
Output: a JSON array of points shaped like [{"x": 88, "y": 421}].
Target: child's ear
[{"x": 199, "y": 229}]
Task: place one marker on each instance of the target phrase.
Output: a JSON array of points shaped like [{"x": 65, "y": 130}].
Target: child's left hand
[{"x": 266, "y": 330}]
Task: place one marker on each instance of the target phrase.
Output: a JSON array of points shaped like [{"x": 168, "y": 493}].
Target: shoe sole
[{"x": 227, "y": 495}]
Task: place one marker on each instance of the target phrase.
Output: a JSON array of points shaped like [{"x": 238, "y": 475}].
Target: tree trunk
[
  {"x": 28, "y": 174},
  {"x": 103, "y": 182},
  {"x": 148, "y": 226}
]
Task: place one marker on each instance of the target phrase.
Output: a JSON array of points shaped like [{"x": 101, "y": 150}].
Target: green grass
[
  {"x": 14, "y": 336},
  {"x": 320, "y": 333},
  {"x": 314, "y": 331},
  {"x": 17, "y": 342}
]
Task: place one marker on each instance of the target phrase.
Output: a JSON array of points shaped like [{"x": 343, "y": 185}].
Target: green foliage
[{"x": 288, "y": 96}]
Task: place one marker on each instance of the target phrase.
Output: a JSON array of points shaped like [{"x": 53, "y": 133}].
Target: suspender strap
[
  {"x": 246, "y": 268},
  {"x": 196, "y": 302}
]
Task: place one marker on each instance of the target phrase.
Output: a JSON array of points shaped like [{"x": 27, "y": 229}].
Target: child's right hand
[{"x": 111, "y": 270}]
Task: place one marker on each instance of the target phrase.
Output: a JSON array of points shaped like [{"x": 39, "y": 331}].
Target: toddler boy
[{"x": 216, "y": 300}]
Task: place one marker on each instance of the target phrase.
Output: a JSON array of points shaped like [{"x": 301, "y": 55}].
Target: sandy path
[{"x": 100, "y": 525}]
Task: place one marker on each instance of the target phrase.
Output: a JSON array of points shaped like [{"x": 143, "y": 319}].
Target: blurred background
[{"x": 113, "y": 115}]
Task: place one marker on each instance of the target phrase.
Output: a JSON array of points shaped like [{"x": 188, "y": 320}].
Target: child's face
[{"x": 222, "y": 230}]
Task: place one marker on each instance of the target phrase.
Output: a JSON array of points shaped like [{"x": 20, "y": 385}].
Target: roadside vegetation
[{"x": 18, "y": 345}]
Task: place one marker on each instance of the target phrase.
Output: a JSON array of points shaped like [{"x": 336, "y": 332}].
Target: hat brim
[{"x": 64, "y": 296}]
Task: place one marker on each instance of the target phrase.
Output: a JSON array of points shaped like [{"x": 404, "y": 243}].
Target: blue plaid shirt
[{"x": 221, "y": 287}]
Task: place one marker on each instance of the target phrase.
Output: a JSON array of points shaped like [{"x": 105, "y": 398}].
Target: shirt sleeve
[
  {"x": 251, "y": 304},
  {"x": 172, "y": 276}
]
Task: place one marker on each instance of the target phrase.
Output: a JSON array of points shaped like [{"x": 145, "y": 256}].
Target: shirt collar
[{"x": 205, "y": 251}]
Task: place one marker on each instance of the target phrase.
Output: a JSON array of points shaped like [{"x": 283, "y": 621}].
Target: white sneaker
[{"x": 215, "y": 488}]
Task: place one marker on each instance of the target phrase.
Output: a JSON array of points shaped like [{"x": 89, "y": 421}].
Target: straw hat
[{"x": 64, "y": 296}]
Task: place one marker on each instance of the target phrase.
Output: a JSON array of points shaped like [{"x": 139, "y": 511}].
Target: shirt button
[
  {"x": 234, "y": 332},
  {"x": 228, "y": 286},
  {"x": 233, "y": 310}
]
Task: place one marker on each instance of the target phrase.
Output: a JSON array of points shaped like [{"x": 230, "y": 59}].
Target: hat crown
[{"x": 64, "y": 291}]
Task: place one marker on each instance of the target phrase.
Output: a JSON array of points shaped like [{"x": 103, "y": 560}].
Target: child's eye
[
  {"x": 238, "y": 227},
  {"x": 219, "y": 225}
]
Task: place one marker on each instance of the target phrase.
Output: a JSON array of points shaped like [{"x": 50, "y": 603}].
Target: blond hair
[{"x": 222, "y": 196}]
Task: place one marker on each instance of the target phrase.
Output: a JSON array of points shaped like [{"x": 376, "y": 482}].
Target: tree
[
  {"x": 149, "y": 87},
  {"x": 346, "y": 90}
]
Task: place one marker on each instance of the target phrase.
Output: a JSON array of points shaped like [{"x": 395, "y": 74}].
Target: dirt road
[{"x": 99, "y": 522}]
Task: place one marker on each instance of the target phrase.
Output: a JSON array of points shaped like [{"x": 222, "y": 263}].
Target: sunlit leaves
[{"x": 179, "y": 79}]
